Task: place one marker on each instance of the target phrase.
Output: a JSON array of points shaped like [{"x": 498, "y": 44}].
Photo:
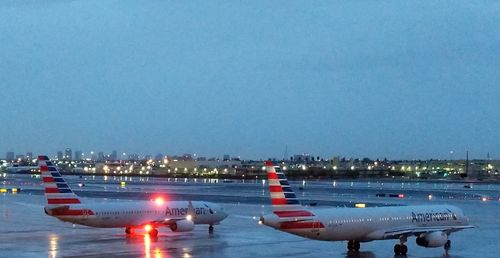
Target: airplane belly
[
  {"x": 203, "y": 220},
  {"x": 347, "y": 231}
]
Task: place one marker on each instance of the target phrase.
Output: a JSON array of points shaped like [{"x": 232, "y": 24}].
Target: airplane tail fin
[
  {"x": 283, "y": 199},
  {"x": 57, "y": 191}
]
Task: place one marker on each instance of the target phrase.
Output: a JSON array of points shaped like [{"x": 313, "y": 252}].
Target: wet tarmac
[{"x": 25, "y": 230}]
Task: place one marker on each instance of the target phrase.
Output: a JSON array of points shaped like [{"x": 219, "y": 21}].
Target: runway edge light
[{"x": 360, "y": 205}]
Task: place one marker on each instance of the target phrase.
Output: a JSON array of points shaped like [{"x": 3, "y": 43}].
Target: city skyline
[
  {"x": 116, "y": 155},
  {"x": 383, "y": 79}
]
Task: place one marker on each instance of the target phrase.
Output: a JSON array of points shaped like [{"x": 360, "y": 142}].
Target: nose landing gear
[
  {"x": 447, "y": 246},
  {"x": 353, "y": 246}
]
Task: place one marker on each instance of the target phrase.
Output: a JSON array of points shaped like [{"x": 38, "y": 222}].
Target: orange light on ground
[
  {"x": 147, "y": 246},
  {"x": 148, "y": 228},
  {"x": 159, "y": 201},
  {"x": 158, "y": 253}
]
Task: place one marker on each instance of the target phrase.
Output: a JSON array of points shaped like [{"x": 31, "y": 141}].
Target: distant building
[
  {"x": 178, "y": 165},
  {"x": 226, "y": 157},
  {"x": 29, "y": 155},
  {"x": 335, "y": 161},
  {"x": 100, "y": 156},
  {"x": 159, "y": 157},
  {"x": 10, "y": 156},
  {"x": 217, "y": 163},
  {"x": 60, "y": 155},
  {"x": 187, "y": 156},
  {"x": 78, "y": 155},
  {"x": 302, "y": 158},
  {"x": 114, "y": 155},
  {"x": 19, "y": 157},
  {"x": 68, "y": 154},
  {"x": 133, "y": 156}
]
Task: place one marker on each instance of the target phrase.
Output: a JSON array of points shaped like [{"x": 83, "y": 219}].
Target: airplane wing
[
  {"x": 157, "y": 223},
  {"x": 408, "y": 231},
  {"x": 169, "y": 221}
]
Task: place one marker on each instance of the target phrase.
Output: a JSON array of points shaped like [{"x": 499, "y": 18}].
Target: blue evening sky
[{"x": 396, "y": 79}]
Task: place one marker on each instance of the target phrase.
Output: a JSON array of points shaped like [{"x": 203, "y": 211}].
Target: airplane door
[
  {"x": 85, "y": 214},
  {"x": 316, "y": 227}
]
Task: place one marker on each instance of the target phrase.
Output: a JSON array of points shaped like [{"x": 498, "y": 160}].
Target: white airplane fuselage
[
  {"x": 367, "y": 224},
  {"x": 138, "y": 213}
]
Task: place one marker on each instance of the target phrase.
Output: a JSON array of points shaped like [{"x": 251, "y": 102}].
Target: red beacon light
[{"x": 159, "y": 201}]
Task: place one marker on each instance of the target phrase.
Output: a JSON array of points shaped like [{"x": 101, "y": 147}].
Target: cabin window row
[
  {"x": 126, "y": 212},
  {"x": 368, "y": 220}
]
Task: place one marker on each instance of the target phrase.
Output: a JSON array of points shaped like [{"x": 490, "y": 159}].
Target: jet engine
[
  {"x": 182, "y": 226},
  {"x": 433, "y": 239}
]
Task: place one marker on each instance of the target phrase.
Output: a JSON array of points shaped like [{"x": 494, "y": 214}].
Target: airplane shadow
[
  {"x": 444, "y": 255},
  {"x": 362, "y": 254},
  {"x": 372, "y": 255}
]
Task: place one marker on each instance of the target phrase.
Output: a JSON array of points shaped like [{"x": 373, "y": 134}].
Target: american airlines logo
[
  {"x": 432, "y": 216},
  {"x": 185, "y": 211}
]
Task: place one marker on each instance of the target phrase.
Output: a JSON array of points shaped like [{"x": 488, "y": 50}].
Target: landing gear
[
  {"x": 353, "y": 246},
  {"x": 210, "y": 229},
  {"x": 401, "y": 248},
  {"x": 447, "y": 246},
  {"x": 153, "y": 233},
  {"x": 129, "y": 231}
]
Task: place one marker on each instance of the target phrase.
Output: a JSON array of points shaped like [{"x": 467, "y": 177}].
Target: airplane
[
  {"x": 431, "y": 224},
  {"x": 179, "y": 216}
]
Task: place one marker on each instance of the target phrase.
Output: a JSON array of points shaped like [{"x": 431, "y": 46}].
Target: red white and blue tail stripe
[
  {"x": 283, "y": 199},
  {"x": 292, "y": 217},
  {"x": 57, "y": 190}
]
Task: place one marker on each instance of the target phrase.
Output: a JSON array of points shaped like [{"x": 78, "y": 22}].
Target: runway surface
[{"x": 25, "y": 230}]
